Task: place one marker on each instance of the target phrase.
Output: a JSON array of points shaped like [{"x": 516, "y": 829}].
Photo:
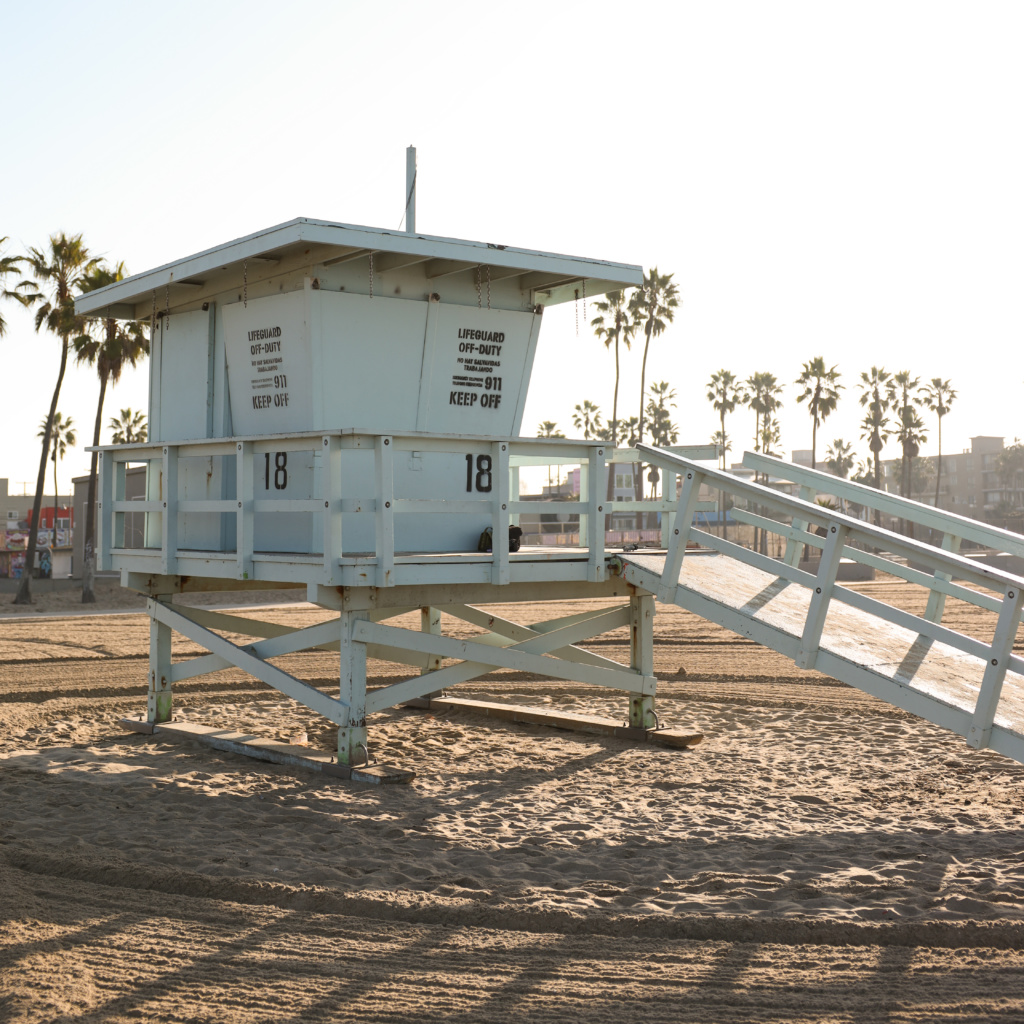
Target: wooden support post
[
  {"x": 159, "y": 705},
  {"x": 352, "y": 748},
  {"x": 937, "y": 601},
  {"x": 828, "y": 569},
  {"x": 980, "y": 732},
  {"x": 641, "y": 658},
  {"x": 430, "y": 622}
]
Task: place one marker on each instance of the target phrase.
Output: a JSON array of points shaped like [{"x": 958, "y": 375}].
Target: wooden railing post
[
  {"x": 244, "y": 516},
  {"x": 828, "y": 569},
  {"x": 500, "y": 516},
  {"x": 687, "y": 505},
  {"x": 384, "y": 516},
  {"x": 980, "y": 732},
  {"x": 596, "y": 491},
  {"x": 169, "y": 524},
  {"x": 331, "y": 476}
]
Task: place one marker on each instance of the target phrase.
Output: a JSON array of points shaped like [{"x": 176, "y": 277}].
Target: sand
[{"x": 820, "y": 857}]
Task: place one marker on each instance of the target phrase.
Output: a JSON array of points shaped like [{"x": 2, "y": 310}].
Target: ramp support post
[
  {"x": 352, "y": 749},
  {"x": 430, "y": 622},
  {"x": 689, "y": 497},
  {"x": 159, "y": 704},
  {"x": 641, "y": 658},
  {"x": 828, "y": 569},
  {"x": 980, "y": 732}
]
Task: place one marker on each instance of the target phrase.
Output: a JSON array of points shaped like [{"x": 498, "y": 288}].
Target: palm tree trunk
[
  {"x": 24, "y": 595},
  {"x": 878, "y": 486},
  {"x": 89, "y": 552},
  {"x": 938, "y": 474}
]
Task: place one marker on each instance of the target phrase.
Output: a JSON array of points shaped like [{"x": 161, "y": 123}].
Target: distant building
[
  {"x": 970, "y": 485},
  {"x": 17, "y": 510}
]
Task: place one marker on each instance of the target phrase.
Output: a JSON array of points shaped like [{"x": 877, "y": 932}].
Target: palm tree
[
  {"x": 62, "y": 437},
  {"x": 724, "y": 393},
  {"x": 129, "y": 427},
  {"x": 762, "y": 395},
  {"x": 549, "y": 428},
  {"x": 587, "y": 418},
  {"x": 57, "y": 271},
  {"x": 821, "y": 392},
  {"x": 663, "y": 431},
  {"x": 939, "y": 396},
  {"x": 654, "y": 308},
  {"x": 874, "y": 428},
  {"x": 840, "y": 458},
  {"x": 910, "y": 432},
  {"x": 615, "y": 324},
  {"x": 8, "y": 265},
  {"x": 111, "y": 346}
]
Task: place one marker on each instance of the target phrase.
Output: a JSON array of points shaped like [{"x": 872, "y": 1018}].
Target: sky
[{"x": 822, "y": 179}]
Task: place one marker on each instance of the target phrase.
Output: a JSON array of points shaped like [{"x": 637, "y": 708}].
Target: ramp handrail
[
  {"x": 1007, "y": 589},
  {"x": 891, "y": 504}
]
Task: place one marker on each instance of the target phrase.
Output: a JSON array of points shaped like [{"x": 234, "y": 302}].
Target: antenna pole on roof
[{"x": 410, "y": 190}]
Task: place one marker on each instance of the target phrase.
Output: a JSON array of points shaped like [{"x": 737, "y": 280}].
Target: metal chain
[
  {"x": 371, "y": 275},
  {"x": 577, "y": 308},
  {"x": 488, "y": 287},
  {"x": 152, "y": 320},
  {"x": 479, "y": 300},
  {"x": 584, "y": 282},
  {"x": 245, "y": 284},
  {"x": 167, "y": 302}
]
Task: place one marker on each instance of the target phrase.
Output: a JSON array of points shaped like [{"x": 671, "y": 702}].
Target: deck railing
[{"x": 331, "y": 501}]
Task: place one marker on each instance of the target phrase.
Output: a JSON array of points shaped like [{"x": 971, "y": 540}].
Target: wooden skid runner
[
  {"x": 269, "y": 750},
  {"x": 524, "y": 715}
]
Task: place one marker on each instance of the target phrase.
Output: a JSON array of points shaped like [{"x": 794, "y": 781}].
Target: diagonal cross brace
[
  {"x": 241, "y": 657},
  {"x": 524, "y": 657}
]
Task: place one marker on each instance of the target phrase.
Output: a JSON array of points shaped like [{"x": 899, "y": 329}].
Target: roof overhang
[{"x": 550, "y": 278}]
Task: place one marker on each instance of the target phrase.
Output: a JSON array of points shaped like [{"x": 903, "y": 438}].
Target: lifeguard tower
[{"x": 339, "y": 408}]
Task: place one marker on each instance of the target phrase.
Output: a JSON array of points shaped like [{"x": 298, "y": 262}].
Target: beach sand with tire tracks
[{"x": 821, "y": 856}]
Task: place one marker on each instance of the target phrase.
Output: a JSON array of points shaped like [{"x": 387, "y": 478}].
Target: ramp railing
[
  {"x": 838, "y": 537},
  {"x": 952, "y": 528}
]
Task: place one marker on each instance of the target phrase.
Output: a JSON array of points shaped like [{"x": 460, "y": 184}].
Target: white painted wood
[
  {"x": 980, "y": 733},
  {"x": 822, "y": 595},
  {"x": 333, "y": 709}
]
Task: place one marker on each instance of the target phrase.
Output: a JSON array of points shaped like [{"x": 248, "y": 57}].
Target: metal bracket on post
[
  {"x": 828, "y": 569},
  {"x": 980, "y": 732}
]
